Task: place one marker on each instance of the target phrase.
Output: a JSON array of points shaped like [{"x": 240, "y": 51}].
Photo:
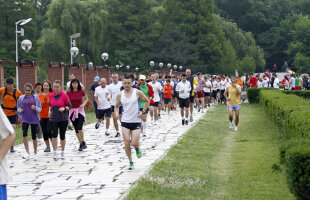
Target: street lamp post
[
  {"x": 21, "y": 32},
  {"x": 72, "y": 42},
  {"x": 105, "y": 57},
  {"x": 127, "y": 67},
  {"x": 26, "y": 46},
  {"x": 74, "y": 52}
]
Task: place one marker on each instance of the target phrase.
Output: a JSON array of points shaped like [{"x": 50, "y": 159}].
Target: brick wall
[
  {"x": 2, "y": 63},
  {"x": 56, "y": 72},
  {"x": 104, "y": 73},
  {"x": 89, "y": 75},
  {"x": 26, "y": 74},
  {"x": 78, "y": 72}
]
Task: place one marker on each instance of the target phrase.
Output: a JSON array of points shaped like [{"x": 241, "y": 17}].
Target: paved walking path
[{"x": 99, "y": 172}]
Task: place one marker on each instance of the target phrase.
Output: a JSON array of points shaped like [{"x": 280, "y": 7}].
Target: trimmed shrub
[
  {"x": 253, "y": 94},
  {"x": 292, "y": 143},
  {"x": 297, "y": 169},
  {"x": 289, "y": 112},
  {"x": 301, "y": 93}
]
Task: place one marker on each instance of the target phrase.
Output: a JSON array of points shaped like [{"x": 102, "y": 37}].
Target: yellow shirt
[
  {"x": 233, "y": 95},
  {"x": 195, "y": 82}
]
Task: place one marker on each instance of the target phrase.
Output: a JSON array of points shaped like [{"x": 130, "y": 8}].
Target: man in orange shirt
[
  {"x": 168, "y": 92},
  {"x": 8, "y": 101}
]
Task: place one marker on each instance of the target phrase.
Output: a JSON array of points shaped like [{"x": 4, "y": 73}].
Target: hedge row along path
[
  {"x": 213, "y": 162},
  {"x": 100, "y": 172}
]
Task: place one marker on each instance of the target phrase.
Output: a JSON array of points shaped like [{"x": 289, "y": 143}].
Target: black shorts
[
  {"x": 175, "y": 95},
  {"x": 120, "y": 110},
  {"x": 12, "y": 119},
  {"x": 77, "y": 123},
  {"x": 184, "y": 103},
  {"x": 131, "y": 126},
  {"x": 167, "y": 100},
  {"x": 214, "y": 93},
  {"x": 34, "y": 128},
  {"x": 156, "y": 104},
  {"x": 192, "y": 99},
  {"x": 207, "y": 94},
  {"x": 104, "y": 113},
  {"x": 147, "y": 110}
]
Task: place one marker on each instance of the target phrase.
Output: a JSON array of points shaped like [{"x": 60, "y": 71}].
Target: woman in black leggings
[{"x": 59, "y": 113}]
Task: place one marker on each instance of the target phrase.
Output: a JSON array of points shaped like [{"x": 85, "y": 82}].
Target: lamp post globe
[
  {"x": 90, "y": 65},
  {"x": 105, "y": 56},
  {"x": 127, "y": 67},
  {"x": 152, "y": 63},
  {"x": 117, "y": 66},
  {"x": 74, "y": 51},
  {"x": 26, "y": 45},
  {"x": 137, "y": 69},
  {"x": 180, "y": 67},
  {"x": 161, "y": 65},
  {"x": 175, "y": 67},
  {"x": 169, "y": 65}
]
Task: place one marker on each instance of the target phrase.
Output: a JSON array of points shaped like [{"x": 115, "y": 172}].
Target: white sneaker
[
  {"x": 236, "y": 128},
  {"x": 55, "y": 155},
  {"x": 231, "y": 126},
  {"x": 62, "y": 155},
  {"x": 35, "y": 157},
  {"x": 26, "y": 156},
  {"x": 155, "y": 123}
]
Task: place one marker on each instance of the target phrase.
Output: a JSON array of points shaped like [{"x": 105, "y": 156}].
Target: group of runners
[{"x": 46, "y": 108}]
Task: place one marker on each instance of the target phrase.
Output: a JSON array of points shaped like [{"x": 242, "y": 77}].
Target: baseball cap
[
  {"x": 97, "y": 78},
  {"x": 142, "y": 77}
]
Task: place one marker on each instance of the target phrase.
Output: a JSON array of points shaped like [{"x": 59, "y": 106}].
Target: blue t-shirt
[
  {"x": 93, "y": 87},
  {"x": 175, "y": 86}
]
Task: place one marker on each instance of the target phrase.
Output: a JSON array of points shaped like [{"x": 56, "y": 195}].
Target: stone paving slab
[{"x": 99, "y": 172}]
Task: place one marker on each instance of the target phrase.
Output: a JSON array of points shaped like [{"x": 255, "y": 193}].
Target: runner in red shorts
[{"x": 200, "y": 93}]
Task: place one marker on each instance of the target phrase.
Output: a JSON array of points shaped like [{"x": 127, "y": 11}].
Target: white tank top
[{"x": 130, "y": 108}]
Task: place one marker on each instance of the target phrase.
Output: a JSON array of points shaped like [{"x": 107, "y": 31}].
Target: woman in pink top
[
  {"x": 77, "y": 114},
  {"x": 59, "y": 115}
]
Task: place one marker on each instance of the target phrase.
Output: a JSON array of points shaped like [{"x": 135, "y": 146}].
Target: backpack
[{"x": 14, "y": 96}]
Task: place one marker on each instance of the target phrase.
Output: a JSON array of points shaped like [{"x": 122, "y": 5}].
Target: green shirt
[
  {"x": 297, "y": 80},
  {"x": 145, "y": 90}
]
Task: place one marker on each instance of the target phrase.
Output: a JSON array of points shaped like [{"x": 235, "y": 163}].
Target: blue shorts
[
  {"x": 234, "y": 107},
  {"x": 3, "y": 193}
]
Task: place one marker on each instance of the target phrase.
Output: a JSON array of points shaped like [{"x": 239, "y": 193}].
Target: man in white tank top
[{"x": 129, "y": 98}]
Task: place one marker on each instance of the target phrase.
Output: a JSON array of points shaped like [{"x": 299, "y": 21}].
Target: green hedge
[
  {"x": 291, "y": 114},
  {"x": 302, "y": 93},
  {"x": 253, "y": 94},
  {"x": 297, "y": 169}
]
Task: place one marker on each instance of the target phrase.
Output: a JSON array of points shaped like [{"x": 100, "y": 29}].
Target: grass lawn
[
  {"x": 91, "y": 118},
  {"x": 213, "y": 162}
]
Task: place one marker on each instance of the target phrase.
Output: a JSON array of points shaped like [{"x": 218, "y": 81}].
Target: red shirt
[
  {"x": 168, "y": 89},
  {"x": 76, "y": 98},
  {"x": 283, "y": 82},
  {"x": 253, "y": 82}
]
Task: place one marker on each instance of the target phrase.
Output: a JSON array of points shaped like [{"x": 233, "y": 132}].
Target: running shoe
[
  {"x": 26, "y": 156},
  {"x": 138, "y": 152},
  {"x": 12, "y": 149},
  {"x": 35, "y": 157},
  {"x": 55, "y": 155},
  {"x": 107, "y": 133},
  {"x": 231, "y": 125},
  {"x": 155, "y": 122},
  {"x": 97, "y": 125},
  {"x": 236, "y": 128},
  {"x": 131, "y": 166},
  {"x": 199, "y": 109},
  {"x": 159, "y": 116},
  {"x": 62, "y": 155},
  {"x": 186, "y": 122},
  {"x": 47, "y": 149},
  {"x": 191, "y": 118},
  {"x": 70, "y": 127},
  {"x": 84, "y": 145},
  {"x": 117, "y": 134},
  {"x": 143, "y": 133},
  {"x": 183, "y": 121},
  {"x": 81, "y": 147}
]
